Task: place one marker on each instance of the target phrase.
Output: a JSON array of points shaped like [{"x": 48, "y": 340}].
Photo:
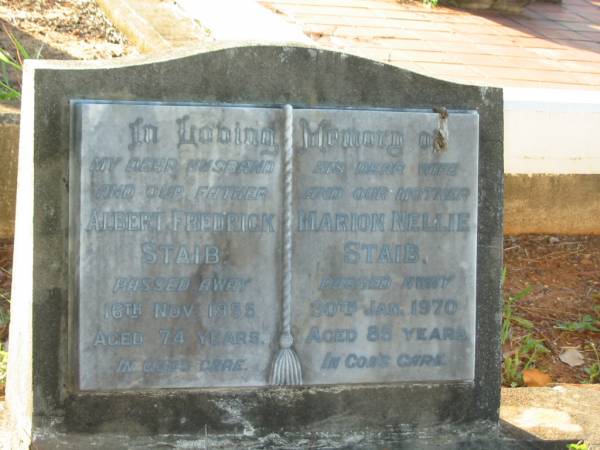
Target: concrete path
[
  {"x": 549, "y": 45},
  {"x": 568, "y": 412},
  {"x": 158, "y": 26},
  {"x": 250, "y": 21}
]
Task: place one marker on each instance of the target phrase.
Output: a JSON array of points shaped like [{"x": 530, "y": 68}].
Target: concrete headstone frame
[{"x": 255, "y": 240}]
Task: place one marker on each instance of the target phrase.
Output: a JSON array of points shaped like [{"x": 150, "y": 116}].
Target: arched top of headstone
[{"x": 272, "y": 74}]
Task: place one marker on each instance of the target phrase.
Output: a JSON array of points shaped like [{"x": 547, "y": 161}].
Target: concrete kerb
[
  {"x": 551, "y": 164},
  {"x": 252, "y": 22},
  {"x": 133, "y": 25},
  {"x": 155, "y": 26}
]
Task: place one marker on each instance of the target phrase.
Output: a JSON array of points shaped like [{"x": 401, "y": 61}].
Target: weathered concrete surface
[
  {"x": 9, "y": 149},
  {"x": 247, "y": 75},
  {"x": 9, "y": 113},
  {"x": 570, "y": 403},
  {"x": 563, "y": 412},
  {"x": 565, "y": 204},
  {"x": 154, "y": 26}
]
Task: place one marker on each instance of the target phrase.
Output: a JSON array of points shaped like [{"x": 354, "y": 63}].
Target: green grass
[
  {"x": 578, "y": 446},
  {"x": 525, "y": 356},
  {"x": 4, "y": 316},
  {"x": 8, "y": 64},
  {"x": 528, "y": 349},
  {"x": 586, "y": 323},
  {"x": 509, "y": 318},
  {"x": 593, "y": 371},
  {"x": 3, "y": 363}
]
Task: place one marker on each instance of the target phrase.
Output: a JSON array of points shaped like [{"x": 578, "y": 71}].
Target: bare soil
[
  {"x": 563, "y": 273},
  {"x": 60, "y": 29}
]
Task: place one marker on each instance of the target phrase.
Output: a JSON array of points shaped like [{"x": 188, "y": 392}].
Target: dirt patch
[
  {"x": 563, "y": 274},
  {"x": 60, "y": 29}
]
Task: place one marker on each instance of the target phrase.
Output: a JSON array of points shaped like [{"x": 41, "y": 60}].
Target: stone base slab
[{"x": 504, "y": 438}]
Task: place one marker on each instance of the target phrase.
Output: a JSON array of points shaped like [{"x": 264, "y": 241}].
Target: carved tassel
[{"x": 286, "y": 366}]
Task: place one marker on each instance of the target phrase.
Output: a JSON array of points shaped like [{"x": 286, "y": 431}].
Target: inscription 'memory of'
[{"x": 325, "y": 137}]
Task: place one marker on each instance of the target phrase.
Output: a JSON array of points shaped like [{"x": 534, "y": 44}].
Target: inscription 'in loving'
[{"x": 189, "y": 134}]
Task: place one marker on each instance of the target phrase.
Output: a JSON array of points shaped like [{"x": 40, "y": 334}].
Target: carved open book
[{"x": 236, "y": 245}]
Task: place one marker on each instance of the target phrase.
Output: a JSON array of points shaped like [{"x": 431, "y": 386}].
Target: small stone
[
  {"x": 536, "y": 378},
  {"x": 572, "y": 357}
]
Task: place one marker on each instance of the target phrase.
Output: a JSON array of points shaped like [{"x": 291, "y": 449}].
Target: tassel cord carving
[{"x": 286, "y": 366}]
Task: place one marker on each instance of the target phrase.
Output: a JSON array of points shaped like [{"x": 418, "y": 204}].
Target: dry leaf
[
  {"x": 572, "y": 357},
  {"x": 536, "y": 378}
]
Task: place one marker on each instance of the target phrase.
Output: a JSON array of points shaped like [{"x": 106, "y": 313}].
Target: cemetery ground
[
  {"x": 552, "y": 300},
  {"x": 552, "y": 282}
]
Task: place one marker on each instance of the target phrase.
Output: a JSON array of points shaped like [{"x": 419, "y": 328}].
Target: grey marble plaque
[
  {"x": 178, "y": 217},
  {"x": 384, "y": 246},
  {"x": 197, "y": 247}
]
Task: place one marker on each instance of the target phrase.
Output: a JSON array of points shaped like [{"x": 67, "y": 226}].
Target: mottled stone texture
[
  {"x": 248, "y": 75},
  {"x": 546, "y": 203},
  {"x": 9, "y": 137}
]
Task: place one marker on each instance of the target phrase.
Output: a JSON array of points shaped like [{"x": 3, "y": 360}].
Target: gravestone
[{"x": 226, "y": 245}]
